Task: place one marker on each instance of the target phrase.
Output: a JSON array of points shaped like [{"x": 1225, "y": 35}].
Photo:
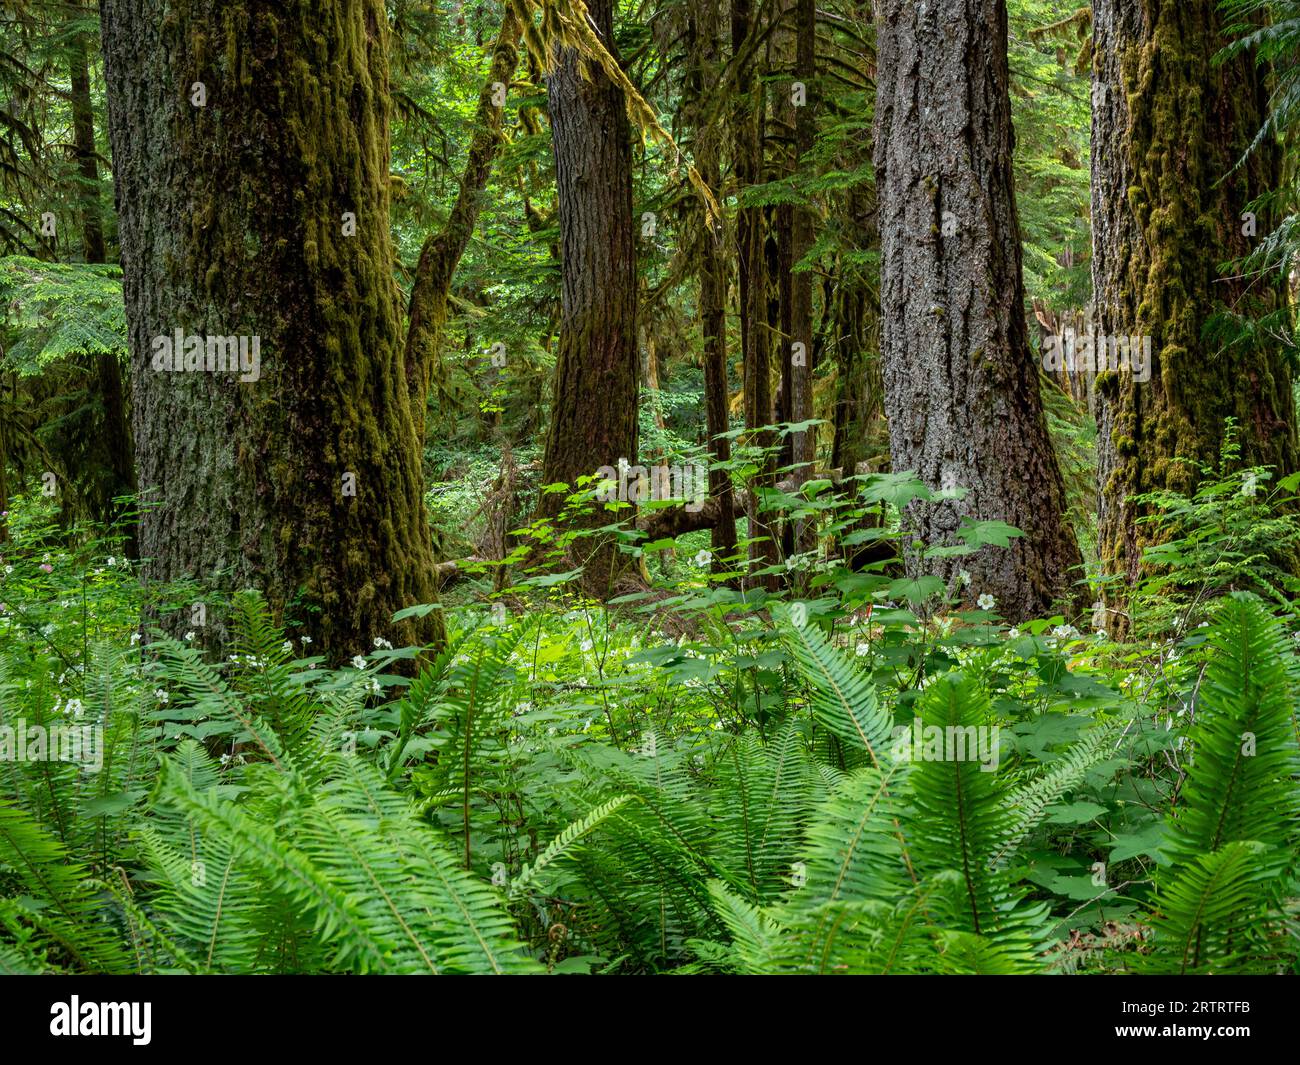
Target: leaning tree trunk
[
  {"x": 251, "y": 156},
  {"x": 961, "y": 384},
  {"x": 1168, "y": 207},
  {"x": 442, "y": 251},
  {"x": 597, "y": 368}
]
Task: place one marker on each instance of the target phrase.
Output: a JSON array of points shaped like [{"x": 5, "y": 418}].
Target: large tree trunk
[
  {"x": 961, "y": 385},
  {"x": 597, "y": 369},
  {"x": 1168, "y": 127},
  {"x": 305, "y": 482},
  {"x": 442, "y": 251},
  {"x": 712, "y": 267}
]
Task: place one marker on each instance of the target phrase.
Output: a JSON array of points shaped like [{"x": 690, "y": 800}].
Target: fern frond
[
  {"x": 842, "y": 699},
  {"x": 58, "y": 897},
  {"x": 1213, "y": 916},
  {"x": 563, "y": 844}
]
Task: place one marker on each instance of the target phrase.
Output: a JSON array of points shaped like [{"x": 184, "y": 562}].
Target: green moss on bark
[{"x": 1168, "y": 215}]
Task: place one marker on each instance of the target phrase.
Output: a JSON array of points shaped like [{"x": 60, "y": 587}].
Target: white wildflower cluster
[
  {"x": 1065, "y": 632},
  {"x": 72, "y": 708}
]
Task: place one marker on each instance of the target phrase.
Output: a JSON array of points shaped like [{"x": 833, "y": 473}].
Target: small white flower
[
  {"x": 380, "y": 642},
  {"x": 1014, "y": 634},
  {"x": 189, "y": 637},
  {"x": 986, "y": 602},
  {"x": 135, "y": 638},
  {"x": 1065, "y": 632},
  {"x": 9, "y": 569},
  {"x": 225, "y": 759},
  {"x": 287, "y": 647},
  {"x": 964, "y": 576},
  {"x": 162, "y": 696},
  {"x": 702, "y": 559},
  {"x": 585, "y": 645},
  {"x": 1100, "y": 634},
  {"x": 112, "y": 561},
  {"x": 306, "y": 640},
  {"x": 358, "y": 662},
  {"x": 862, "y": 649}
]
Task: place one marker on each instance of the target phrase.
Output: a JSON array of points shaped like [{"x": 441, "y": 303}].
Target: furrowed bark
[
  {"x": 597, "y": 370},
  {"x": 304, "y": 482},
  {"x": 961, "y": 384},
  {"x": 1169, "y": 126}
]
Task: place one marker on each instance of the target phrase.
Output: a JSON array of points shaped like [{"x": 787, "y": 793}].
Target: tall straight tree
[
  {"x": 106, "y": 453},
  {"x": 961, "y": 385},
  {"x": 1169, "y": 205},
  {"x": 251, "y": 156},
  {"x": 597, "y": 367},
  {"x": 804, "y": 442},
  {"x": 703, "y": 38},
  {"x": 748, "y": 122}
]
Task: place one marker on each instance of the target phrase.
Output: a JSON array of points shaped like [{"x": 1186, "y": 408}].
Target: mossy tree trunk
[
  {"x": 597, "y": 368},
  {"x": 961, "y": 384},
  {"x": 1168, "y": 208},
  {"x": 235, "y": 212}
]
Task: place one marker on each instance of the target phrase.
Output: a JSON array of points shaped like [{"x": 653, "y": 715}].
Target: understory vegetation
[
  {"x": 649, "y": 487},
  {"x": 571, "y": 789}
]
